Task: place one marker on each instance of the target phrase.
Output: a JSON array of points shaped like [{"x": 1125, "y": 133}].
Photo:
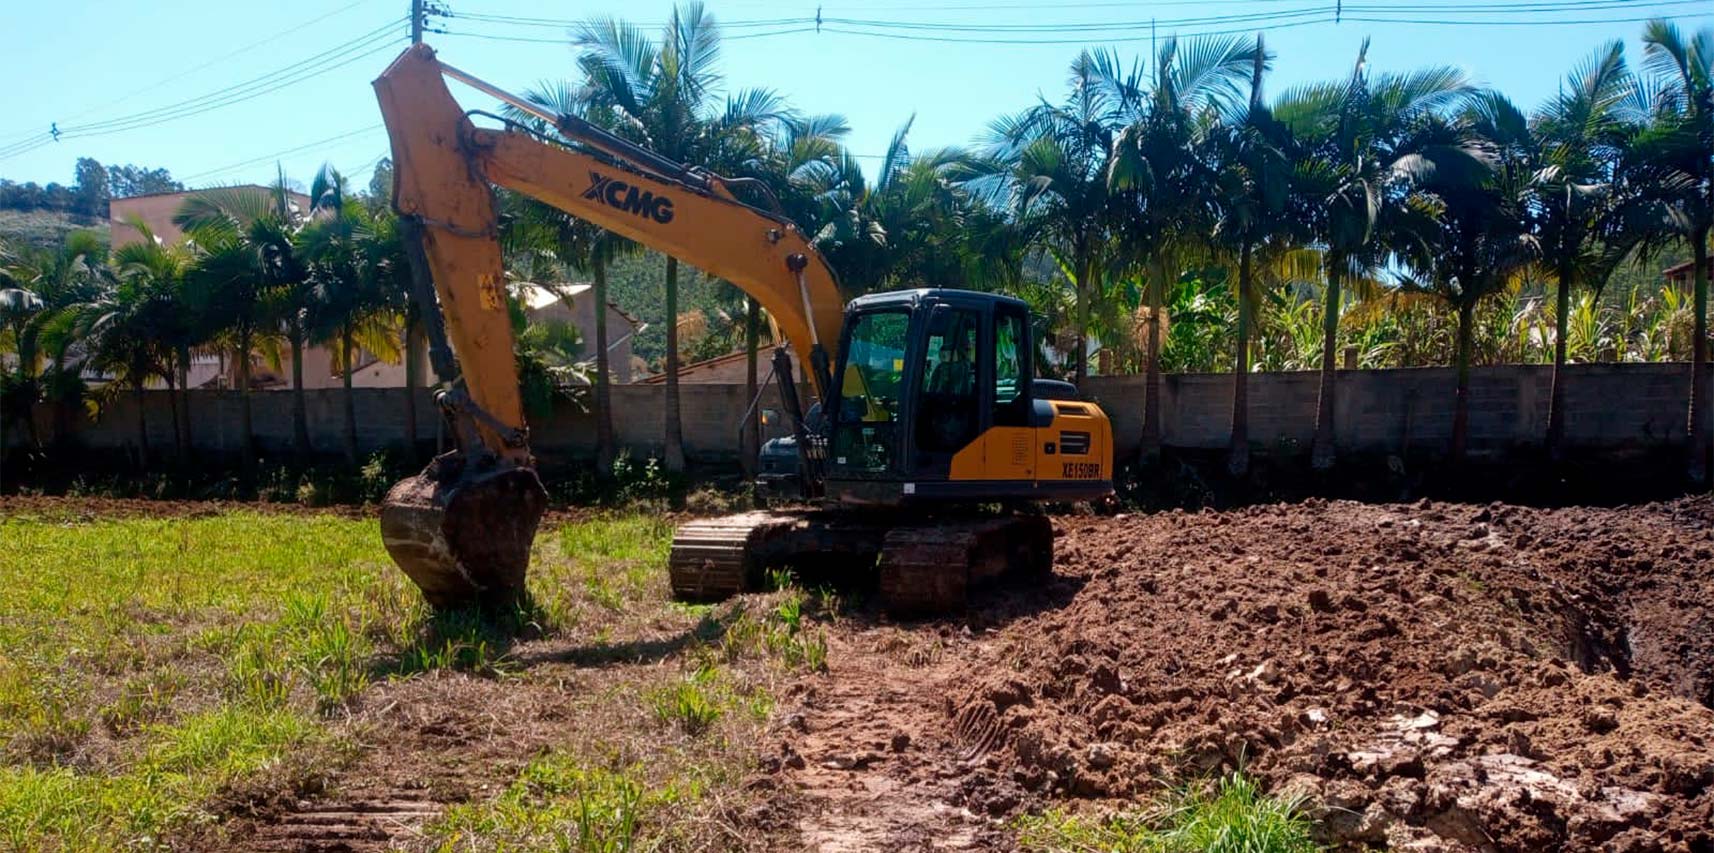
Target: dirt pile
[{"x": 1449, "y": 676}]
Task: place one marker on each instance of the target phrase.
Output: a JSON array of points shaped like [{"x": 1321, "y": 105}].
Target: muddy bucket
[{"x": 464, "y": 537}]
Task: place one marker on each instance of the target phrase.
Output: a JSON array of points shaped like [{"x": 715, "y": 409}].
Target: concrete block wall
[
  {"x": 1618, "y": 407},
  {"x": 710, "y": 415}
]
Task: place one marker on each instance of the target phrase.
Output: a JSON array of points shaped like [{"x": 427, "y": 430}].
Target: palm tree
[
  {"x": 155, "y": 272},
  {"x": 1357, "y": 135},
  {"x": 1254, "y": 201},
  {"x": 1053, "y": 160},
  {"x": 662, "y": 94},
  {"x": 1168, "y": 185},
  {"x": 245, "y": 260},
  {"x": 123, "y": 329},
  {"x": 1465, "y": 225},
  {"x": 75, "y": 273},
  {"x": 914, "y": 225},
  {"x": 1675, "y": 156},
  {"x": 353, "y": 266},
  {"x": 1580, "y": 138},
  {"x": 18, "y": 309}
]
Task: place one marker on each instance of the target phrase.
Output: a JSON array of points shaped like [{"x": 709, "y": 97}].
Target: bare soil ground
[{"x": 1430, "y": 676}]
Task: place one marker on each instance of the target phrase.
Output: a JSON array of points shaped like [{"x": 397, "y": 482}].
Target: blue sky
[{"x": 79, "y": 62}]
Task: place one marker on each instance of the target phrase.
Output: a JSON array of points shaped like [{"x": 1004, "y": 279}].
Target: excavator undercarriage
[{"x": 921, "y": 564}]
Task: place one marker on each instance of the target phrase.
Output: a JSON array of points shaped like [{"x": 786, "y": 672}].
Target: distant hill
[{"x": 44, "y": 228}]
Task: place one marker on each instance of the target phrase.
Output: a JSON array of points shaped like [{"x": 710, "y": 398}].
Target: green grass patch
[
  {"x": 558, "y": 803},
  {"x": 146, "y": 664},
  {"x": 1231, "y": 815},
  {"x": 613, "y": 560},
  {"x": 176, "y": 768}
]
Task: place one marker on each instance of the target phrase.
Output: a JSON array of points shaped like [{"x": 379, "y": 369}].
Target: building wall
[
  {"x": 1618, "y": 408},
  {"x": 157, "y": 211},
  {"x": 319, "y": 372},
  {"x": 728, "y": 369},
  {"x": 579, "y": 311}
]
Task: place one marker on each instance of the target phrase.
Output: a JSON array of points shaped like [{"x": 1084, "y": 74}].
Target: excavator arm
[{"x": 463, "y": 527}]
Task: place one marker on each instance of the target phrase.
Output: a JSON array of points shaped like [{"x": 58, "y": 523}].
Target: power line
[
  {"x": 1101, "y": 26},
  {"x": 1034, "y": 6},
  {"x": 370, "y": 38},
  {"x": 293, "y": 150},
  {"x": 270, "y": 82},
  {"x": 1529, "y": 12},
  {"x": 564, "y": 41},
  {"x": 565, "y": 23},
  {"x": 1106, "y": 26},
  {"x": 272, "y": 38},
  {"x": 1552, "y": 23},
  {"x": 1325, "y": 18},
  {"x": 328, "y": 60}
]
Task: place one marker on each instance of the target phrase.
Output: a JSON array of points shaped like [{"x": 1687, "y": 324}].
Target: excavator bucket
[{"x": 464, "y": 536}]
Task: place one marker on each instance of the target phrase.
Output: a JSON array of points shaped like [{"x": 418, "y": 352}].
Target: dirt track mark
[
  {"x": 871, "y": 756},
  {"x": 344, "y": 827}
]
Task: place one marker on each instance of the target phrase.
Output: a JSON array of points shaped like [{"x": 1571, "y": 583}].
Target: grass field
[{"x": 159, "y": 676}]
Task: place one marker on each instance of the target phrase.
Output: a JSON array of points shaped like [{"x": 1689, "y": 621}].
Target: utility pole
[{"x": 416, "y": 21}]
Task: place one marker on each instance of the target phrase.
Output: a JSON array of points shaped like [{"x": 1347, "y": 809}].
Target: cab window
[
  {"x": 947, "y": 418},
  {"x": 1011, "y": 368},
  {"x": 869, "y": 389}
]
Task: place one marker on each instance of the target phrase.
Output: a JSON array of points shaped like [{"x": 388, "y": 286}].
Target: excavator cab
[{"x": 934, "y": 402}]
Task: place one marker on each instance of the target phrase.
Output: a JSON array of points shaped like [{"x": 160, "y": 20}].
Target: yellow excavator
[{"x": 920, "y": 462}]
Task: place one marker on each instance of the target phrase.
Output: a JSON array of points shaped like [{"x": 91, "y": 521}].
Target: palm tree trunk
[
  {"x": 1152, "y": 360},
  {"x": 137, "y": 384},
  {"x": 1322, "y": 451},
  {"x": 750, "y": 433},
  {"x": 674, "y": 429},
  {"x": 184, "y": 401},
  {"x": 300, "y": 413},
  {"x": 1238, "y": 458},
  {"x": 1080, "y": 357},
  {"x": 1701, "y": 448},
  {"x": 604, "y": 450},
  {"x": 1461, "y": 399},
  {"x": 413, "y": 381},
  {"x": 1556, "y": 397},
  {"x": 245, "y": 418},
  {"x": 345, "y": 347},
  {"x": 173, "y": 406}
]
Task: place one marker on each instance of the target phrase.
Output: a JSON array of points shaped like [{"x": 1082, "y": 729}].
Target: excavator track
[
  {"x": 717, "y": 558},
  {"x": 931, "y": 568},
  {"x": 924, "y": 566}
]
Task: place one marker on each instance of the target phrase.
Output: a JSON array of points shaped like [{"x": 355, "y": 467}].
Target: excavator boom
[{"x": 462, "y": 529}]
